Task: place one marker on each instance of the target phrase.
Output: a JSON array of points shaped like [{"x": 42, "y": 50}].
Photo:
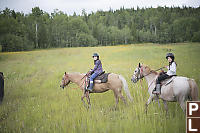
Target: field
[{"x": 34, "y": 102}]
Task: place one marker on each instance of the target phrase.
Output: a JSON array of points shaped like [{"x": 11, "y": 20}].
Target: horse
[
  {"x": 115, "y": 83},
  {"x": 1, "y": 87},
  {"x": 178, "y": 90}
]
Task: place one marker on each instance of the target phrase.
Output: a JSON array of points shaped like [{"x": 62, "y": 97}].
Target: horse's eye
[{"x": 135, "y": 71}]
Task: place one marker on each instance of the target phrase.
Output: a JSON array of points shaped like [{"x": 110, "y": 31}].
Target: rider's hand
[
  {"x": 162, "y": 71},
  {"x": 88, "y": 73}
]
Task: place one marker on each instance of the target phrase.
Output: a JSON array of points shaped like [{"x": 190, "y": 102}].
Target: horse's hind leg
[
  {"x": 116, "y": 99},
  {"x": 122, "y": 98},
  {"x": 119, "y": 94},
  {"x": 181, "y": 101}
]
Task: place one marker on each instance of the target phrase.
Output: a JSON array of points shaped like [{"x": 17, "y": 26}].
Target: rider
[
  {"x": 171, "y": 71},
  {"x": 96, "y": 71}
]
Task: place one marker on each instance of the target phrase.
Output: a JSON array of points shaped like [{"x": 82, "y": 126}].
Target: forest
[{"x": 40, "y": 30}]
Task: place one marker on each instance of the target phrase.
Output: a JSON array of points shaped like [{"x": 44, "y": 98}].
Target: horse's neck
[
  {"x": 150, "y": 78},
  {"x": 76, "y": 78}
]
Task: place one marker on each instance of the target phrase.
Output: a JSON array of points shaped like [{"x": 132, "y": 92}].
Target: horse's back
[
  {"x": 178, "y": 87},
  {"x": 181, "y": 86},
  {"x": 114, "y": 80}
]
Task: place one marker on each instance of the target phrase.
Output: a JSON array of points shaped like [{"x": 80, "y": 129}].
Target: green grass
[{"x": 34, "y": 102}]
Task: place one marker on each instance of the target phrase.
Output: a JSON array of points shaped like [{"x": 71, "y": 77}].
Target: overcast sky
[{"x": 71, "y": 6}]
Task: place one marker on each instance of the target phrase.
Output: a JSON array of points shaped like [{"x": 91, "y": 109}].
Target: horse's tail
[
  {"x": 194, "y": 90},
  {"x": 125, "y": 86}
]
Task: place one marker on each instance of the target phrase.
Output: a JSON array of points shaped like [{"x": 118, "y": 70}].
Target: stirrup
[
  {"x": 89, "y": 90},
  {"x": 155, "y": 92}
]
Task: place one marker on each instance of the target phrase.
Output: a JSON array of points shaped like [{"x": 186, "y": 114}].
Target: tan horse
[
  {"x": 115, "y": 83},
  {"x": 180, "y": 89}
]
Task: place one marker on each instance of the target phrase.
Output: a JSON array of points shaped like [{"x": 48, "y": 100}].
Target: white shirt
[{"x": 172, "y": 70}]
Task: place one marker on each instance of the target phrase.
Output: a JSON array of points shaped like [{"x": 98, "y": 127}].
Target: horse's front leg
[
  {"x": 157, "y": 100},
  {"x": 88, "y": 98},
  {"x": 82, "y": 99},
  {"x": 166, "y": 107},
  {"x": 148, "y": 102}
]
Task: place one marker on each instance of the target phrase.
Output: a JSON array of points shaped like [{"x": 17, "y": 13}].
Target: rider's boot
[
  {"x": 157, "y": 91},
  {"x": 91, "y": 86}
]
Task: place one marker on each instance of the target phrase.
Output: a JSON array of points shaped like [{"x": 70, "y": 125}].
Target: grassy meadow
[{"x": 34, "y": 102}]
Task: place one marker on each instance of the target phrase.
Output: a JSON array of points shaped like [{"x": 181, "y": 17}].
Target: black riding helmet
[
  {"x": 95, "y": 55},
  {"x": 170, "y": 55}
]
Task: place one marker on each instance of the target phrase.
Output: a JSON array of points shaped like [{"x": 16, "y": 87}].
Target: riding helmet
[
  {"x": 170, "y": 55},
  {"x": 95, "y": 55}
]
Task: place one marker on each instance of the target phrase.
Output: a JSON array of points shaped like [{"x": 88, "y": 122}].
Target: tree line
[{"x": 39, "y": 29}]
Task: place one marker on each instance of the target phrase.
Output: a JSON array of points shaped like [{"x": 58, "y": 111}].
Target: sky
[{"x": 71, "y": 6}]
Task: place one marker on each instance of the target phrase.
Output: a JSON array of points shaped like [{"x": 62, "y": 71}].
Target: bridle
[
  {"x": 69, "y": 82},
  {"x": 64, "y": 78}
]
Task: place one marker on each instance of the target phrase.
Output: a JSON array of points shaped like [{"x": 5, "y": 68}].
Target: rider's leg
[
  {"x": 158, "y": 83},
  {"x": 93, "y": 76}
]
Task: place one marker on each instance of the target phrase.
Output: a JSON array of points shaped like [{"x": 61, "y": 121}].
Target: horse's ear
[
  {"x": 139, "y": 65},
  {"x": 65, "y": 73}
]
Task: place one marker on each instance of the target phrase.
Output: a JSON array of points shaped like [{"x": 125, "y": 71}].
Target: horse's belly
[
  {"x": 167, "y": 93},
  {"x": 100, "y": 87}
]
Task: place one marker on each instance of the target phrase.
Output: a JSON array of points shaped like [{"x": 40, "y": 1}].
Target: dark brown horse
[
  {"x": 115, "y": 83},
  {"x": 1, "y": 87}
]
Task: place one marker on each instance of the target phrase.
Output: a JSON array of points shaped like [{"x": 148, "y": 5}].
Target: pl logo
[{"x": 193, "y": 117}]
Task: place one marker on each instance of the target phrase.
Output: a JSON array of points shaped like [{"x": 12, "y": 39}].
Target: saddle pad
[
  {"x": 168, "y": 81},
  {"x": 103, "y": 77}
]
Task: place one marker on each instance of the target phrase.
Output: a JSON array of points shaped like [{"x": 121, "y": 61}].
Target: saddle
[
  {"x": 101, "y": 78},
  {"x": 168, "y": 80}
]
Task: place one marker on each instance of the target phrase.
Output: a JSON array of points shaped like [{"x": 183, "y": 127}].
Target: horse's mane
[
  {"x": 77, "y": 73},
  {"x": 149, "y": 69}
]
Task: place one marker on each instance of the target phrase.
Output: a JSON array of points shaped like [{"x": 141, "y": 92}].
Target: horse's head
[
  {"x": 141, "y": 71},
  {"x": 138, "y": 73},
  {"x": 65, "y": 80}
]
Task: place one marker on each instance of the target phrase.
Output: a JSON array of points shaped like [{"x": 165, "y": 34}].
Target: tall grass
[{"x": 34, "y": 102}]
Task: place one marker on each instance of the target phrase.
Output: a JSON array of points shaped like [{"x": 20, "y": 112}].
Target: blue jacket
[{"x": 98, "y": 67}]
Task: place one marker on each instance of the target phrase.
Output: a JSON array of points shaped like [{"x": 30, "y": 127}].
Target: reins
[
  {"x": 150, "y": 72},
  {"x": 84, "y": 80}
]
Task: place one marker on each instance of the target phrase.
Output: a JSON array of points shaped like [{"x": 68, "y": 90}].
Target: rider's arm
[
  {"x": 172, "y": 68},
  {"x": 96, "y": 66}
]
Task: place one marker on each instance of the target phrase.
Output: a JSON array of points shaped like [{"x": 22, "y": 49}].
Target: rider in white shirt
[{"x": 171, "y": 71}]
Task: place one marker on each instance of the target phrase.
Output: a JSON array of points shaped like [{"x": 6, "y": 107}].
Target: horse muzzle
[
  {"x": 62, "y": 87},
  {"x": 134, "y": 80}
]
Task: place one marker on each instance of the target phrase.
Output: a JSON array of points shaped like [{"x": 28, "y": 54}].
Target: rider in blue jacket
[{"x": 96, "y": 71}]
